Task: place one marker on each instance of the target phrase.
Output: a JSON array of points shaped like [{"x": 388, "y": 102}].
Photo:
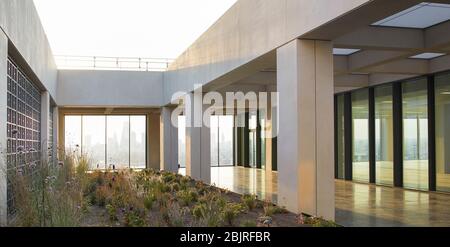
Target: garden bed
[
  {"x": 163, "y": 199},
  {"x": 67, "y": 194}
]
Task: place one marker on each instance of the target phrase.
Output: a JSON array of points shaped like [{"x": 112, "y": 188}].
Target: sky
[{"x": 127, "y": 28}]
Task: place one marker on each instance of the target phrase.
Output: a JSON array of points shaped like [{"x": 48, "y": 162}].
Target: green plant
[
  {"x": 319, "y": 222},
  {"x": 149, "y": 200},
  {"x": 270, "y": 209},
  {"x": 248, "y": 223},
  {"x": 186, "y": 197},
  {"x": 134, "y": 219},
  {"x": 250, "y": 201},
  {"x": 112, "y": 212},
  {"x": 228, "y": 215}
]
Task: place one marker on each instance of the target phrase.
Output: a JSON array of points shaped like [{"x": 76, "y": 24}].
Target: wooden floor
[{"x": 356, "y": 204}]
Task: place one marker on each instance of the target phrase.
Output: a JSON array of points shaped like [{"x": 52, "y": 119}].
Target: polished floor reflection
[{"x": 356, "y": 204}]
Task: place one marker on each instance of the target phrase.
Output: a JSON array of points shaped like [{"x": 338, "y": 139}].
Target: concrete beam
[
  {"x": 350, "y": 80},
  {"x": 382, "y": 38},
  {"x": 405, "y": 66}
]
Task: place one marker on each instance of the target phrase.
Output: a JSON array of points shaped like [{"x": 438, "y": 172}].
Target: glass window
[
  {"x": 340, "y": 137},
  {"x": 107, "y": 140},
  {"x": 182, "y": 141},
  {"x": 118, "y": 134},
  {"x": 138, "y": 142},
  {"x": 252, "y": 139},
  {"x": 360, "y": 121},
  {"x": 72, "y": 134},
  {"x": 226, "y": 124},
  {"x": 384, "y": 138},
  {"x": 214, "y": 127},
  {"x": 415, "y": 134},
  {"x": 222, "y": 140},
  {"x": 262, "y": 122},
  {"x": 442, "y": 105},
  {"x": 94, "y": 140}
]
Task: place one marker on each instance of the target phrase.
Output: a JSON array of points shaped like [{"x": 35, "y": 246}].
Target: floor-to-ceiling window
[
  {"x": 340, "y": 137},
  {"x": 182, "y": 141},
  {"x": 252, "y": 139},
  {"x": 262, "y": 136},
  {"x": 93, "y": 140},
  {"x": 384, "y": 150},
  {"x": 442, "y": 104},
  {"x": 72, "y": 134},
  {"x": 138, "y": 137},
  {"x": 360, "y": 126},
  {"x": 118, "y": 140},
  {"x": 222, "y": 128},
  {"x": 415, "y": 134}
]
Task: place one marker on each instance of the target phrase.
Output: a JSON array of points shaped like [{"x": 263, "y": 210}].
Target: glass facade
[
  {"x": 182, "y": 141},
  {"x": 401, "y": 113},
  {"x": 384, "y": 135},
  {"x": 93, "y": 137},
  {"x": 360, "y": 129},
  {"x": 108, "y": 141},
  {"x": 252, "y": 139},
  {"x": 415, "y": 134},
  {"x": 442, "y": 111}
]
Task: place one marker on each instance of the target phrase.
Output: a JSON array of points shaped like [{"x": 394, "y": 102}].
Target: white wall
[
  {"x": 250, "y": 29},
  {"x": 100, "y": 88},
  {"x": 20, "y": 21}
]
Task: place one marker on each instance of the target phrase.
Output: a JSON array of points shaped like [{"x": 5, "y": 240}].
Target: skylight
[
  {"x": 427, "y": 55},
  {"x": 423, "y": 15},
  {"x": 344, "y": 52}
]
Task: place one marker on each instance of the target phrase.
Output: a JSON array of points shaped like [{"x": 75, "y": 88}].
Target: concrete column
[
  {"x": 45, "y": 125},
  {"x": 306, "y": 135},
  {"x": 153, "y": 140},
  {"x": 198, "y": 140},
  {"x": 168, "y": 141},
  {"x": 3, "y": 127}
]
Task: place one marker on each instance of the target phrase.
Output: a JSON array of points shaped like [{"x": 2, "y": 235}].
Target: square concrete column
[
  {"x": 168, "y": 141},
  {"x": 306, "y": 133},
  {"x": 153, "y": 140},
  {"x": 198, "y": 140},
  {"x": 3, "y": 127},
  {"x": 45, "y": 125}
]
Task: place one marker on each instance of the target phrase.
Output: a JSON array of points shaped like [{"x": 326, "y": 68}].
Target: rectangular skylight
[
  {"x": 423, "y": 15},
  {"x": 344, "y": 52},
  {"x": 428, "y": 55}
]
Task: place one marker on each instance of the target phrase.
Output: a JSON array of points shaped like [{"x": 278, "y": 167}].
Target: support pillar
[
  {"x": 3, "y": 128},
  {"x": 168, "y": 141},
  {"x": 198, "y": 140},
  {"x": 153, "y": 141},
  {"x": 306, "y": 136}
]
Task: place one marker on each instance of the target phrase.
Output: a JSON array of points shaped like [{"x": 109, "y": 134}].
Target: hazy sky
[{"x": 134, "y": 28}]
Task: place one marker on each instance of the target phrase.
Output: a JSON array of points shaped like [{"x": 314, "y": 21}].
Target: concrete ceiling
[{"x": 384, "y": 54}]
